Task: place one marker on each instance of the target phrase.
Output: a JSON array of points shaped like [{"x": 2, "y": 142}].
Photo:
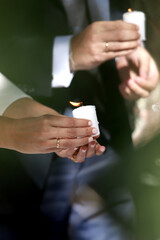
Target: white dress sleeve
[{"x": 9, "y": 93}]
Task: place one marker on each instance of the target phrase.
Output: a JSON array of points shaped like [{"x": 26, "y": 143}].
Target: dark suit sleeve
[{"x": 27, "y": 32}]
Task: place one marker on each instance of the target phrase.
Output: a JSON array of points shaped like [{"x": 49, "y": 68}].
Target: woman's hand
[
  {"x": 30, "y": 127},
  {"x": 79, "y": 155},
  {"x": 46, "y": 133}
]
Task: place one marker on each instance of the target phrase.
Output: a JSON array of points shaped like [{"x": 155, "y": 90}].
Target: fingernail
[
  {"x": 94, "y": 130},
  {"x": 90, "y": 139},
  {"x": 93, "y": 145},
  {"x": 84, "y": 150},
  {"x": 75, "y": 149},
  {"x": 90, "y": 123},
  {"x": 102, "y": 149}
]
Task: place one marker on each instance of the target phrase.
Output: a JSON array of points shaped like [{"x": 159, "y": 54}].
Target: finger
[
  {"x": 127, "y": 93},
  {"x": 91, "y": 150},
  {"x": 81, "y": 155},
  {"x": 144, "y": 65},
  {"x": 111, "y": 55},
  {"x": 121, "y": 46},
  {"x": 152, "y": 78},
  {"x": 138, "y": 90},
  {"x": 94, "y": 148},
  {"x": 73, "y": 132},
  {"x": 120, "y": 36},
  {"x": 68, "y": 143},
  {"x": 59, "y": 121},
  {"x": 117, "y": 25},
  {"x": 143, "y": 83},
  {"x": 100, "y": 149},
  {"x": 66, "y": 152},
  {"x": 122, "y": 66}
]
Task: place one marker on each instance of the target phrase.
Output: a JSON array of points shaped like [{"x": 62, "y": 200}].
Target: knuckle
[
  {"x": 71, "y": 132},
  {"x": 44, "y": 120},
  {"x": 70, "y": 122}
]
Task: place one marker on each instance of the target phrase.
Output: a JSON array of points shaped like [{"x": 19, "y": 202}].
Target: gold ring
[
  {"x": 106, "y": 46},
  {"x": 58, "y": 143}
]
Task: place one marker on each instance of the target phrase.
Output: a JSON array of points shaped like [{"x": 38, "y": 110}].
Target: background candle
[
  {"x": 138, "y": 18},
  {"x": 87, "y": 112}
]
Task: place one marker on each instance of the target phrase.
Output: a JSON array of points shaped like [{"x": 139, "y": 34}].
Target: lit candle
[
  {"x": 87, "y": 112},
  {"x": 138, "y": 18}
]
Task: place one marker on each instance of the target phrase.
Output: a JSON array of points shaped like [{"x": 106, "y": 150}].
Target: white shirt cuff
[
  {"x": 61, "y": 74},
  {"x": 9, "y": 93}
]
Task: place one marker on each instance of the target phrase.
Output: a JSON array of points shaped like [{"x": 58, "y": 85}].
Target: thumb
[{"x": 144, "y": 65}]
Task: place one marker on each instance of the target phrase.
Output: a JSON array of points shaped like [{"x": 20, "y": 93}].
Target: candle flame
[
  {"x": 76, "y": 104},
  {"x": 130, "y": 10}
]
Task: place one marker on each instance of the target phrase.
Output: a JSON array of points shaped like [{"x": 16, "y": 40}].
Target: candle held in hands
[
  {"x": 87, "y": 112},
  {"x": 138, "y": 18}
]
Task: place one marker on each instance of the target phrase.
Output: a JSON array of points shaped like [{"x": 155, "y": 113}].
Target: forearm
[
  {"x": 26, "y": 107},
  {"x": 22, "y": 108},
  {"x": 5, "y": 130}
]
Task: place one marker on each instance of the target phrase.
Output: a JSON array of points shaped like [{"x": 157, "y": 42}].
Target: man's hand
[
  {"x": 139, "y": 74},
  {"x": 89, "y": 48}
]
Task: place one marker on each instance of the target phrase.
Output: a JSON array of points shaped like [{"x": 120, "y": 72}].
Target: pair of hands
[
  {"x": 30, "y": 127},
  {"x": 137, "y": 69},
  {"x": 40, "y": 134},
  {"x": 139, "y": 74}
]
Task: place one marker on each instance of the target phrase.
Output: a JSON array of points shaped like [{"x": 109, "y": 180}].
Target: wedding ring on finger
[
  {"x": 106, "y": 46},
  {"x": 58, "y": 143}
]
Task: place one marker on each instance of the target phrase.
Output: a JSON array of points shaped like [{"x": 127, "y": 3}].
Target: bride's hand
[
  {"x": 40, "y": 134},
  {"x": 79, "y": 155}
]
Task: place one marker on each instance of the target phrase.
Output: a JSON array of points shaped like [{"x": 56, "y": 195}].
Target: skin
[
  {"x": 137, "y": 69},
  {"x": 139, "y": 74},
  {"x": 87, "y": 151},
  {"x": 30, "y": 127},
  {"x": 88, "y": 47}
]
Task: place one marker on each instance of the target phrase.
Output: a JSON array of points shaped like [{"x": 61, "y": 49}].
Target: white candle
[
  {"x": 138, "y": 18},
  {"x": 87, "y": 112}
]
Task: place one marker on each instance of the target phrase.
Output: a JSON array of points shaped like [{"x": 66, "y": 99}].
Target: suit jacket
[{"x": 27, "y": 32}]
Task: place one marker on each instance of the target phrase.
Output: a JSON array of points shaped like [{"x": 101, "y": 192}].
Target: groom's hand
[
  {"x": 139, "y": 74},
  {"x": 102, "y": 41}
]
